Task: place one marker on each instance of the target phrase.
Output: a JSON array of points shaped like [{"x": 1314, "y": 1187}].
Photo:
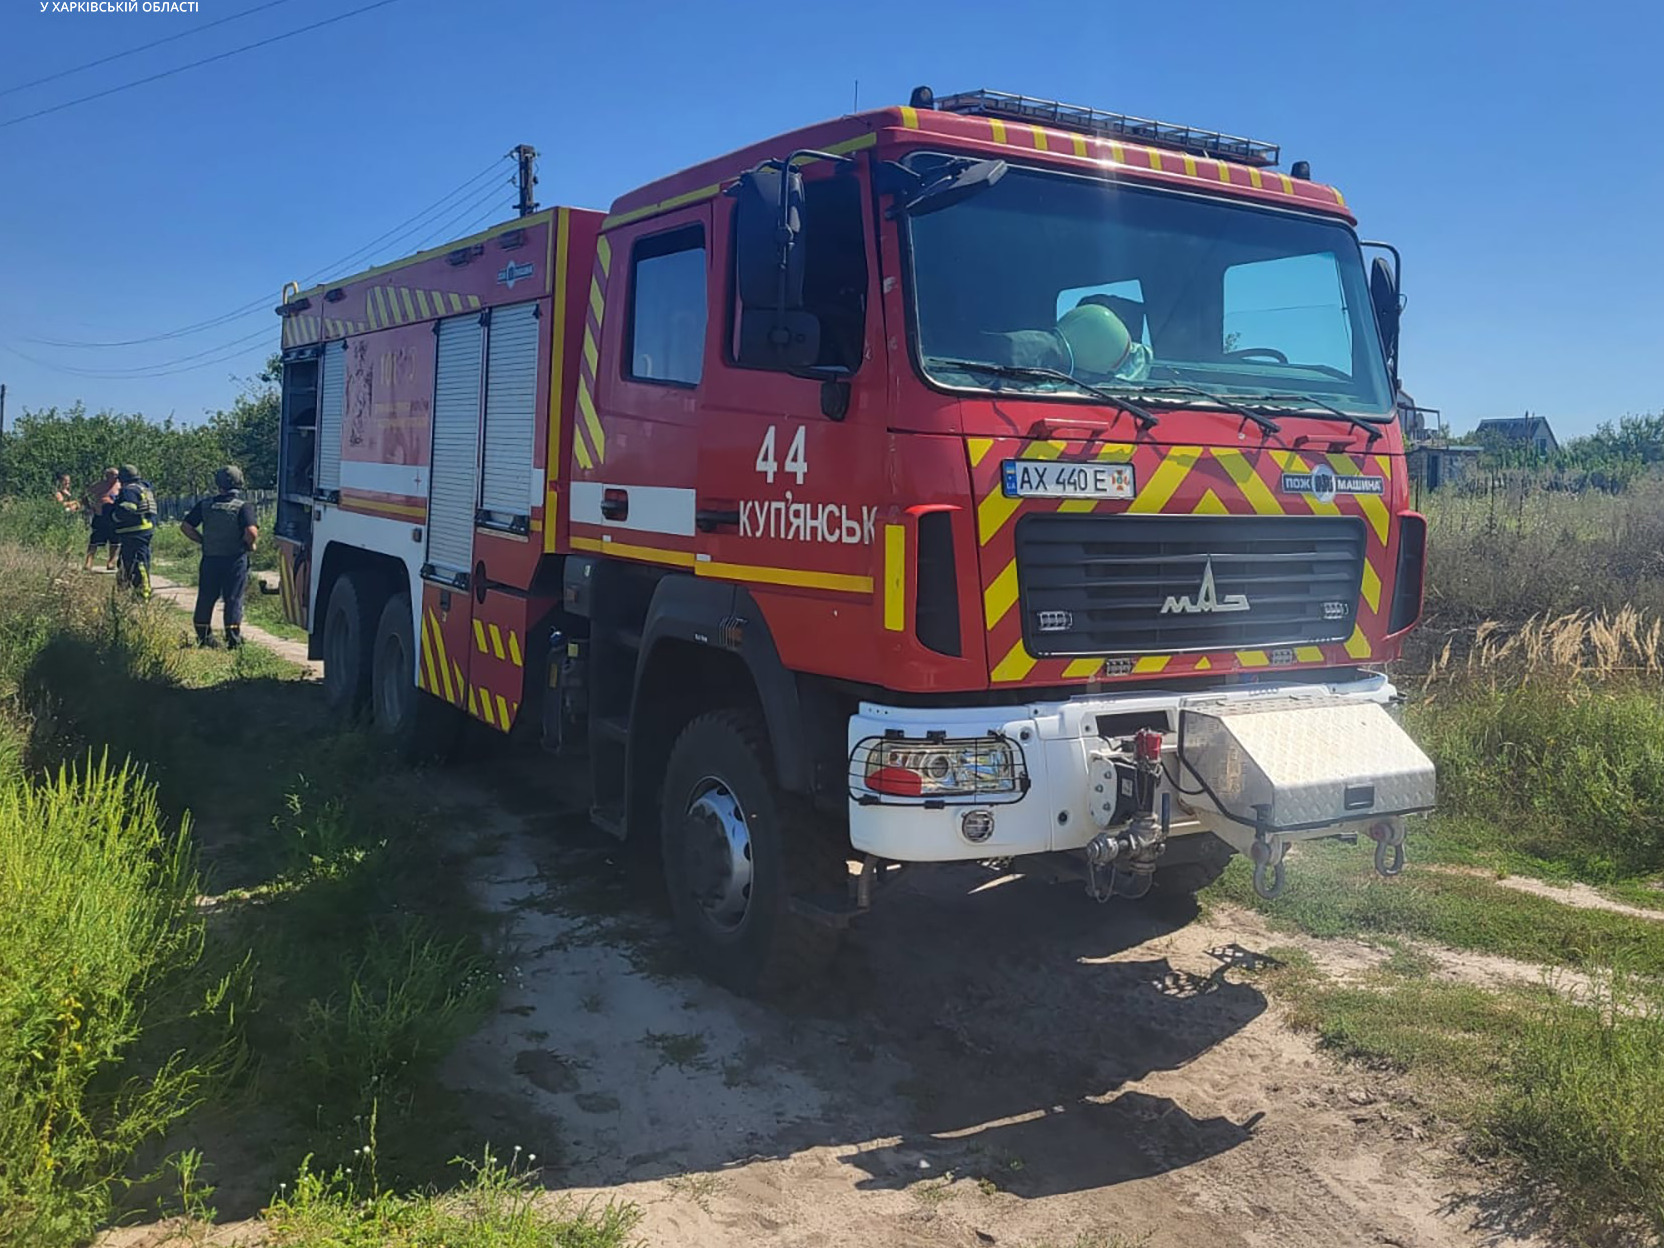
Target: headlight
[{"x": 940, "y": 768}]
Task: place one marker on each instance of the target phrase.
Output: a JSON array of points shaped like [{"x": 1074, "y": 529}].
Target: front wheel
[{"x": 733, "y": 856}]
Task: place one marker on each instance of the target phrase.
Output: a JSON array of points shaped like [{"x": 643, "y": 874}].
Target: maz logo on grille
[{"x": 1207, "y": 598}]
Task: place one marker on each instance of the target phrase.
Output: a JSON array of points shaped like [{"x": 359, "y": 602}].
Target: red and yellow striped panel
[{"x": 1193, "y": 480}]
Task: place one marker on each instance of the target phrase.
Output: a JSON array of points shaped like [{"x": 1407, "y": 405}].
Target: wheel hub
[{"x": 718, "y": 854}]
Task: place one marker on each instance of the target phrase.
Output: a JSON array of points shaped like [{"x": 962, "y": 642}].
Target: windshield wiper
[
  {"x": 1147, "y": 419},
  {"x": 1370, "y": 427},
  {"x": 1218, "y": 400}
]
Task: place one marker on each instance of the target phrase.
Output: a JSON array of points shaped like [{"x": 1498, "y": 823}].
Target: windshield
[{"x": 1136, "y": 288}]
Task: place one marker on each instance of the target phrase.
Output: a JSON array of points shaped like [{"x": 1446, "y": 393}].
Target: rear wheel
[
  {"x": 418, "y": 725},
  {"x": 734, "y": 855},
  {"x": 346, "y": 649}
]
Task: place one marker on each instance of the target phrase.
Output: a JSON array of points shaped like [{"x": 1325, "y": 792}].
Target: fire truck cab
[{"x": 987, "y": 479}]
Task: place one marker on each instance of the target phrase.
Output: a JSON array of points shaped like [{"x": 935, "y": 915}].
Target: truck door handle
[
  {"x": 615, "y": 504},
  {"x": 711, "y": 518}
]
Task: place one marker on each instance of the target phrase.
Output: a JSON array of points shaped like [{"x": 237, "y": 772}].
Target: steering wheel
[{"x": 1248, "y": 353}]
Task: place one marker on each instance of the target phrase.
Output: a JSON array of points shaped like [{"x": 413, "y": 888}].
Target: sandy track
[{"x": 1009, "y": 1065}]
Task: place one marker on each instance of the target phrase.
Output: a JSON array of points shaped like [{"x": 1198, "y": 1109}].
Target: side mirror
[
  {"x": 768, "y": 232},
  {"x": 1384, "y": 294}
]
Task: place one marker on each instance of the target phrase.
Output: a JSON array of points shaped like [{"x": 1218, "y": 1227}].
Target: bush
[{"x": 100, "y": 973}]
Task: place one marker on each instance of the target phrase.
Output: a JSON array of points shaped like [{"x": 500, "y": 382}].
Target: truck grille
[{"x": 1091, "y": 585}]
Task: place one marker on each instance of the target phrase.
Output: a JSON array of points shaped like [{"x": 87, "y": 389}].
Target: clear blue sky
[{"x": 1510, "y": 149}]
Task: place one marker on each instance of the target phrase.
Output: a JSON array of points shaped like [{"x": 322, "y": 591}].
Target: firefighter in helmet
[
  {"x": 134, "y": 515},
  {"x": 224, "y": 527}
]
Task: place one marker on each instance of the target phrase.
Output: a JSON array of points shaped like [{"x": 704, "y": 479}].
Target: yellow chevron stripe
[
  {"x": 592, "y": 422},
  {"x": 978, "y": 448},
  {"x": 1309, "y": 654},
  {"x": 514, "y": 648},
  {"x": 1082, "y": 667},
  {"x": 451, "y": 695},
  {"x": 592, "y": 357},
  {"x": 580, "y": 449},
  {"x": 479, "y": 636},
  {"x": 1372, "y": 586},
  {"x": 1210, "y": 505},
  {"x": 998, "y": 128},
  {"x": 1150, "y": 664},
  {"x": 995, "y": 509},
  {"x": 497, "y": 642},
  {"x": 473, "y": 301},
  {"x": 1252, "y": 658},
  {"x": 1166, "y": 479},
  {"x": 1357, "y": 645},
  {"x": 456, "y": 302},
  {"x": 485, "y": 707},
  {"x": 1242, "y": 473},
  {"x": 603, "y": 253},
  {"x": 427, "y": 660},
  {"x": 1001, "y": 595},
  {"x": 1373, "y": 506},
  {"x": 503, "y": 721},
  {"x": 422, "y": 303},
  {"x": 1016, "y": 664},
  {"x": 596, "y": 304},
  {"x": 1080, "y": 145}
]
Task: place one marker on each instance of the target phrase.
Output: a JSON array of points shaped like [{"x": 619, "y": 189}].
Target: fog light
[{"x": 976, "y": 826}]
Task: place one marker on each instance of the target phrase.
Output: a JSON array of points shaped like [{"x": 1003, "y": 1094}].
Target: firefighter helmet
[{"x": 1097, "y": 338}]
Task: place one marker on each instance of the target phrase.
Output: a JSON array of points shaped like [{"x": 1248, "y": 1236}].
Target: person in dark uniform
[
  {"x": 133, "y": 516},
  {"x": 224, "y": 527}
]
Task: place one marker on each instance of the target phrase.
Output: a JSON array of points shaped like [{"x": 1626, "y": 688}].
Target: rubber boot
[
  {"x": 204, "y": 635},
  {"x": 233, "y": 636}
]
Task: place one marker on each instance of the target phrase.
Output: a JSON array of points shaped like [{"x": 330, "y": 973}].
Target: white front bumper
[{"x": 1056, "y": 740}]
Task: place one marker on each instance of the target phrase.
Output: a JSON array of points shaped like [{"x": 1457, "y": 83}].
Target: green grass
[
  {"x": 334, "y": 913},
  {"x": 1334, "y": 892},
  {"x": 112, "y": 1025},
  {"x": 499, "y": 1205}
]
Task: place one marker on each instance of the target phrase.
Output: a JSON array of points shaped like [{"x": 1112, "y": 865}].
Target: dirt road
[{"x": 992, "y": 1062}]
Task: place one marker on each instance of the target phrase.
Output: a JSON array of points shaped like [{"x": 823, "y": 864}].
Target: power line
[
  {"x": 207, "y": 60},
  {"x": 143, "y": 47},
  {"x": 443, "y": 204},
  {"x": 449, "y": 230}
]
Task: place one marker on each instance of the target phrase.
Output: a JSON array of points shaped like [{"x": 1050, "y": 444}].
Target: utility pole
[
  {"x": 526, "y": 155},
  {"x": 2, "y": 437}
]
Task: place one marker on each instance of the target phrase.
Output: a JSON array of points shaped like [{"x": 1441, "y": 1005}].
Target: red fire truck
[{"x": 988, "y": 479}]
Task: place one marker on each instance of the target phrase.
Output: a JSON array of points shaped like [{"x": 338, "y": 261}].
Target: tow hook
[
  {"x": 1267, "y": 853},
  {"x": 1122, "y": 864},
  {"x": 1388, "y": 836}
]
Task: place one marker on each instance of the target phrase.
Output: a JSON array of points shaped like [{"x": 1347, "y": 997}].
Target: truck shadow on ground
[{"x": 970, "y": 1029}]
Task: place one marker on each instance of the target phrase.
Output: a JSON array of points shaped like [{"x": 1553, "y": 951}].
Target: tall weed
[{"x": 110, "y": 1028}]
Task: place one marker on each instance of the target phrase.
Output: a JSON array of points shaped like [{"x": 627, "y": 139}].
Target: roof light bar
[{"x": 1211, "y": 143}]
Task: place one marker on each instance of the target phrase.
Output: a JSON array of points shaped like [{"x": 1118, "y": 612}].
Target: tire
[
  {"x": 721, "y": 760},
  {"x": 418, "y": 725},
  {"x": 1191, "y": 863},
  {"x": 346, "y": 650}
]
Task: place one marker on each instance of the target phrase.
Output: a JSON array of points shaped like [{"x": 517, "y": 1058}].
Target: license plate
[{"x": 1036, "y": 478}]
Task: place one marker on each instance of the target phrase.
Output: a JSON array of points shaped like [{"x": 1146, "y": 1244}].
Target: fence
[{"x": 172, "y": 509}]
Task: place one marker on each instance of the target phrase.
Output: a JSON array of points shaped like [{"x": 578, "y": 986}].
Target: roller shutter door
[
  {"x": 454, "y": 476},
  {"x": 510, "y": 412},
  {"x": 331, "y": 387}
]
